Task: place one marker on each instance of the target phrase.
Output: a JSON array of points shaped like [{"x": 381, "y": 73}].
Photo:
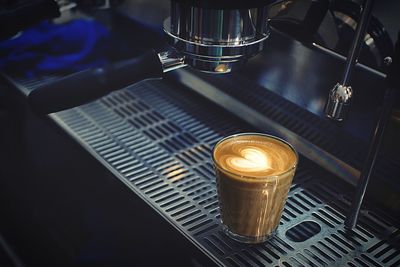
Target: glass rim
[{"x": 259, "y": 134}]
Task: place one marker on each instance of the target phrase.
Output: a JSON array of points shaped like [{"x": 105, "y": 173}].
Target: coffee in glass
[{"x": 254, "y": 173}]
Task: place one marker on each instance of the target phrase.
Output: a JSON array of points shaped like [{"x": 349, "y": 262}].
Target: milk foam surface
[{"x": 256, "y": 156}]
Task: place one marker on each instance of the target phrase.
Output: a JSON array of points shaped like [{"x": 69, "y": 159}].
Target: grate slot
[
  {"x": 159, "y": 191},
  {"x": 315, "y": 258},
  {"x": 293, "y": 207},
  {"x": 303, "y": 231},
  {"x": 213, "y": 246},
  {"x": 324, "y": 220},
  {"x": 299, "y": 204},
  {"x": 157, "y": 187},
  {"x": 334, "y": 244},
  {"x": 310, "y": 196},
  {"x": 117, "y": 157},
  {"x": 183, "y": 211},
  {"x": 194, "y": 191},
  {"x": 94, "y": 136},
  {"x": 395, "y": 255},
  {"x": 364, "y": 231},
  {"x": 161, "y": 167},
  {"x": 360, "y": 262},
  {"x": 137, "y": 174},
  {"x": 321, "y": 252},
  {"x": 221, "y": 242},
  {"x": 288, "y": 211},
  {"x": 345, "y": 235},
  {"x": 397, "y": 263},
  {"x": 253, "y": 258},
  {"x": 198, "y": 184},
  {"x": 342, "y": 241},
  {"x": 333, "y": 251},
  {"x": 295, "y": 262},
  {"x": 281, "y": 245},
  {"x": 127, "y": 165},
  {"x": 171, "y": 202},
  {"x": 383, "y": 251},
  {"x": 242, "y": 260},
  {"x": 177, "y": 206},
  {"x": 212, "y": 205},
  {"x": 232, "y": 262},
  {"x": 369, "y": 260},
  {"x": 263, "y": 256},
  {"x": 163, "y": 196},
  {"x": 187, "y": 216},
  {"x": 151, "y": 155},
  {"x": 304, "y": 260},
  {"x": 305, "y": 200},
  {"x": 205, "y": 229},
  {"x": 329, "y": 216},
  {"x": 270, "y": 250},
  {"x": 194, "y": 220}
]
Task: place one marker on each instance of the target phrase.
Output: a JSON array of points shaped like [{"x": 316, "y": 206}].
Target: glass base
[{"x": 247, "y": 239}]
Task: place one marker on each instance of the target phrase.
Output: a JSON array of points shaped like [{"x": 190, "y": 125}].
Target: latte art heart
[
  {"x": 251, "y": 159},
  {"x": 254, "y": 156}
]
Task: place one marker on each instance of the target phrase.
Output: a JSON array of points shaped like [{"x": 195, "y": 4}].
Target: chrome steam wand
[{"x": 340, "y": 96}]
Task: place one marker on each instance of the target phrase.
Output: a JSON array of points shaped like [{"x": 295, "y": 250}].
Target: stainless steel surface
[
  {"x": 156, "y": 138},
  {"x": 253, "y": 116},
  {"x": 216, "y": 40},
  {"x": 343, "y": 58},
  {"x": 338, "y": 103},
  {"x": 11, "y": 258},
  {"x": 171, "y": 60}
]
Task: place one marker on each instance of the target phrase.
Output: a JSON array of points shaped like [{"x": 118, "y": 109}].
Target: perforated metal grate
[{"x": 158, "y": 139}]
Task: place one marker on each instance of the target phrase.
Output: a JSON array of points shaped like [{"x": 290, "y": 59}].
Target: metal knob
[{"x": 338, "y": 103}]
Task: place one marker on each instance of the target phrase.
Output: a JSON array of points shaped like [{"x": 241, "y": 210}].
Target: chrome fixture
[
  {"x": 216, "y": 40},
  {"x": 338, "y": 103}
]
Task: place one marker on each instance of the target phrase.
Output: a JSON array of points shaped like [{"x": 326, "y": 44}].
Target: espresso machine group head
[{"x": 217, "y": 36}]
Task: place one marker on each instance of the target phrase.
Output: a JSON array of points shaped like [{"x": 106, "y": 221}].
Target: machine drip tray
[{"x": 157, "y": 138}]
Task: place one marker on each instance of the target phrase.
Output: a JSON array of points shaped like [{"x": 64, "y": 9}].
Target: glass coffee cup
[{"x": 254, "y": 172}]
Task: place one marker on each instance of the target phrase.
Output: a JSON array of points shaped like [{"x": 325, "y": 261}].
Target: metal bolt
[{"x": 387, "y": 61}]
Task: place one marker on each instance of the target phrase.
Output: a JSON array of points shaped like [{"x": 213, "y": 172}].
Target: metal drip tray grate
[{"x": 158, "y": 138}]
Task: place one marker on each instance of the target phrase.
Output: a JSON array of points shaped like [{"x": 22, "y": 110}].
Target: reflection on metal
[
  {"x": 343, "y": 58},
  {"x": 157, "y": 139},
  {"x": 305, "y": 147},
  {"x": 368, "y": 40},
  {"x": 338, "y": 103},
  {"x": 171, "y": 60},
  {"x": 216, "y": 40}
]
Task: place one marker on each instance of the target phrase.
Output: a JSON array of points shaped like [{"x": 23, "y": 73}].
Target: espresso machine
[{"x": 140, "y": 132}]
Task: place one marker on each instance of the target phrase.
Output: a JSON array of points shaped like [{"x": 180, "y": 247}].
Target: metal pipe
[
  {"x": 340, "y": 96},
  {"x": 392, "y": 83},
  {"x": 357, "y": 41},
  {"x": 368, "y": 168}
]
